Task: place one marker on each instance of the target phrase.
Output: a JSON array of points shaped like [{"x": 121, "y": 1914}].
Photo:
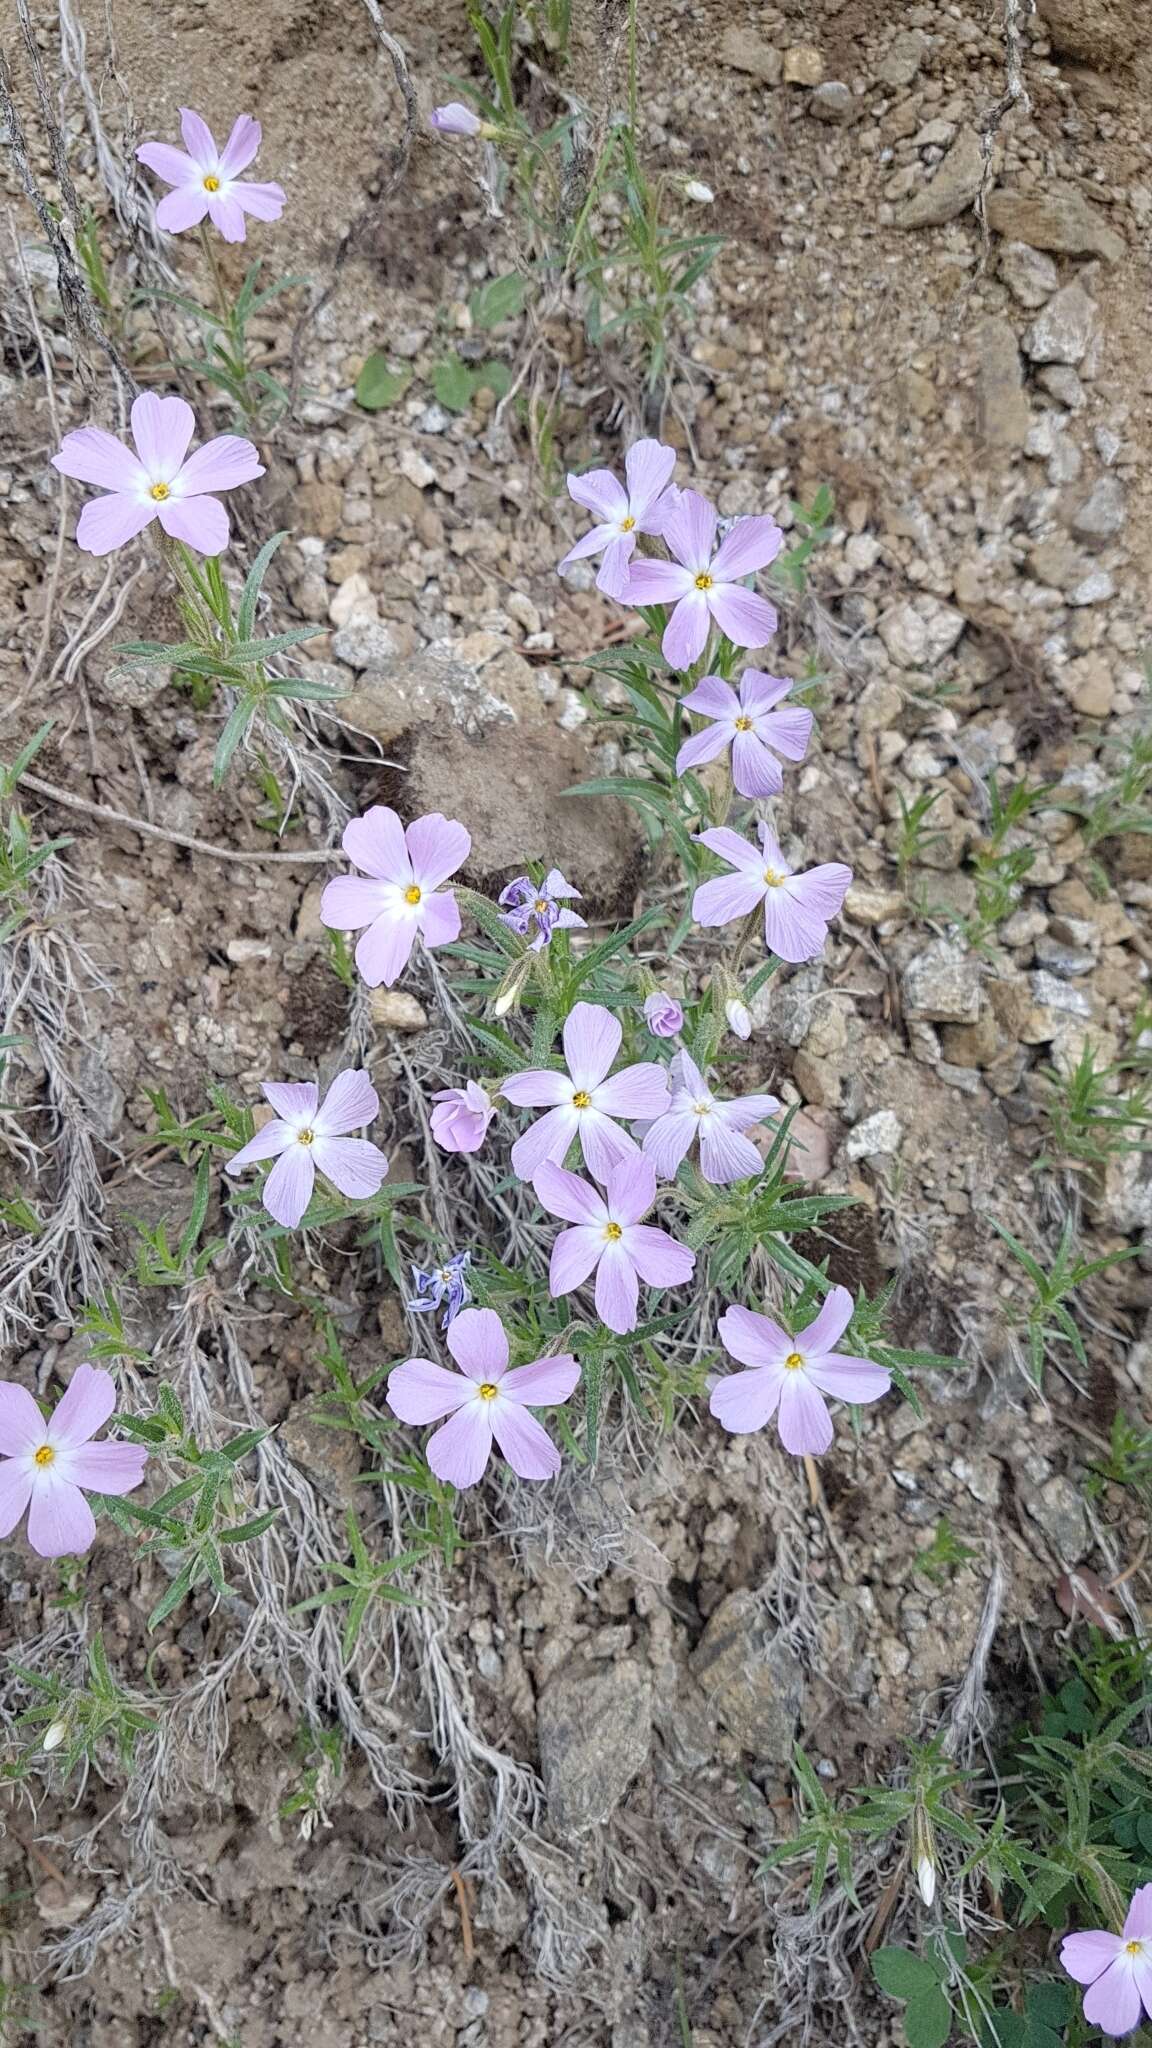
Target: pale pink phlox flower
[
  {"x": 461, "y": 1117},
  {"x": 483, "y": 1401},
  {"x": 797, "y": 907},
  {"x": 306, "y": 1136},
  {"x": 725, "y": 1154},
  {"x": 751, "y": 725},
  {"x": 43, "y": 1465},
  {"x": 207, "y": 180},
  {"x": 455, "y": 119},
  {"x": 1117, "y": 1968},
  {"x": 160, "y": 481},
  {"x": 703, "y": 581},
  {"x": 583, "y": 1102},
  {"x": 791, "y": 1375},
  {"x": 610, "y": 1239},
  {"x": 398, "y": 896},
  {"x": 622, "y": 514}
]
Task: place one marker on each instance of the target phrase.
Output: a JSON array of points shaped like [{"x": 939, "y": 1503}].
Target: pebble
[
  {"x": 942, "y": 984},
  {"x": 1060, "y": 381},
  {"x": 952, "y": 190},
  {"x": 1059, "y": 219},
  {"x": 1030, "y": 276},
  {"x": 744, "y": 50},
  {"x": 1062, "y": 331},
  {"x": 395, "y": 1010},
  {"x": 833, "y": 102},
  {"x": 803, "y": 65},
  {"x": 903, "y": 59},
  {"x": 881, "y": 1132},
  {"x": 919, "y": 634},
  {"x": 1103, "y": 512}
]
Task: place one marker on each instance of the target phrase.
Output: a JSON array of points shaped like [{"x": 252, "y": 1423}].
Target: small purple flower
[
  {"x": 582, "y": 1103},
  {"x": 44, "y": 1465},
  {"x": 160, "y": 481},
  {"x": 446, "y": 1283},
  {"x": 207, "y": 180},
  {"x": 461, "y": 1117},
  {"x": 797, "y": 908},
  {"x": 725, "y": 1154},
  {"x": 663, "y": 1015},
  {"x": 703, "y": 582},
  {"x": 455, "y": 119},
  {"x": 307, "y": 1135},
  {"x": 543, "y": 904},
  {"x": 611, "y": 1239},
  {"x": 622, "y": 515},
  {"x": 483, "y": 1401},
  {"x": 402, "y": 897},
  {"x": 751, "y": 726},
  {"x": 792, "y": 1375},
  {"x": 1117, "y": 1968}
]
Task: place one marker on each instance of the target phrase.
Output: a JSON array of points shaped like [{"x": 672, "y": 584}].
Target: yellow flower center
[
  {"x": 412, "y": 895},
  {"x": 701, "y": 1109},
  {"x": 159, "y": 492},
  {"x": 306, "y": 1138},
  {"x": 743, "y": 725},
  {"x": 1133, "y": 1948},
  {"x": 704, "y": 581},
  {"x": 773, "y": 880},
  {"x": 581, "y": 1099},
  {"x": 626, "y": 525},
  {"x": 793, "y": 1362},
  {"x": 211, "y": 184},
  {"x": 488, "y": 1391},
  {"x": 612, "y": 1232},
  {"x": 45, "y": 1455},
  {"x": 541, "y": 906}
]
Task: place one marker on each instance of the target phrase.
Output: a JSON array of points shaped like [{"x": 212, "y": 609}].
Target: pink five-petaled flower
[
  {"x": 611, "y": 1237},
  {"x": 621, "y": 515},
  {"x": 1116, "y": 1967},
  {"x": 703, "y": 582},
  {"x": 725, "y": 1154},
  {"x": 582, "y": 1103},
  {"x": 45, "y": 1464},
  {"x": 483, "y": 1400},
  {"x": 751, "y": 726},
  {"x": 461, "y": 1117},
  {"x": 455, "y": 119},
  {"x": 161, "y": 481},
  {"x": 402, "y": 895},
  {"x": 797, "y": 908},
  {"x": 207, "y": 180},
  {"x": 792, "y": 1374},
  {"x": 306, "y": 1134}
]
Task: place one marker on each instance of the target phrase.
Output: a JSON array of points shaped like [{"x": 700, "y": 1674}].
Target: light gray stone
[
  {"x": 952, "y": 190},
  {"x": 881, "y": 1132},
  {"x": 833, "y": 102},
  {"x": 1059, "y": 219},
  {"x": 1003, "y": 412},
  {"x": 1030, "y": 276},
  {"x": 942, "y": 984},
  {"x": 1103, "y": 512},
  {"x": 1062, "y": 331},
  {"x": 594, "y": 1723},
  {"x": 920, "y": 634},
  {"x": 751, "y": 1677}
]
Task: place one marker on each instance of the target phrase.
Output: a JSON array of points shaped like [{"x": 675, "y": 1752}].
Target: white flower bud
[
  {"x": 701, "y": 194},
  {"x": 739, "y": 1017},
  {"x": 926, "y": 1879},
  {"x": 55, "y": 1735}
]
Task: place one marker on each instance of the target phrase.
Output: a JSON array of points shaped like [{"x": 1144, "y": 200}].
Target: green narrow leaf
[{"x": 246, "y": 610}]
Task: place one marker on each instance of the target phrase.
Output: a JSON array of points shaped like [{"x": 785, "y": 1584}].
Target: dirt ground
[{"x": 560, "y": 1774}]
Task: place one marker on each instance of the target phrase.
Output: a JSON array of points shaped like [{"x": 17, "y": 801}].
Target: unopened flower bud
[
  {"x": 739, "y": 1017},
  {"x": 698, "y": 192},
  {"x": 512, "y": 987},
  {"x": 926, "y": 1879},
  {"x": 55, "y": 1735}
]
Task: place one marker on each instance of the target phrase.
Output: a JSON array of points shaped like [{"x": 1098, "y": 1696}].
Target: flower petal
[
  {"x": 727, "y": 897},
  {"x": 639, "y": 1091},
  {"x": 744, "y": 1401},
  {"x": 383, "y": 951},
  {"x": 729, "y": 846},
  {"x": 603, "y": 1143},
  {"x": 199, "y": 140},
  {"x": 543, "y": 1384},
  {"x": 574, "y": 1254},
  {"x": 669, "y": 1141},
  {"x": 747, "y": 546},
  {"x": 755, "y": 771},
  {"x": 478, "y": 1343},
  {"x": 15, "y": 1491},
  {"x": 791, "y": 929},
  {"x": 612, "y": 576},
  {"x": 825, "y": 1333},
  {"x": 564, "y": 1194},
  {"x": 108, "y": 1468},
  {"x": 657, "y": 583},
  {"x": 227, "y": 216},
  {"x": 161, "y": 429},
  {"x": 173, "y": 165},
  {"x": 184, "y": 208},
  {"x": 537, "y": 1088},
  {"x": 270, "y": 1140},
  {"x": 648, "y": 467},
  {"x": 805, "y": 1424},
  {"x": 822, "y": 889},
  {"x": 22, "y": 1427},
  {"x": 1113, "y": 2001},
  {"x": 525, "y": 1442},
  {"x": 95, "y": 457},
  {"x": 748, "y": 619},
  {"x": 1087, "y": 1956},
  {"x": 263, "y": 202},
  {"x": 439, "y": 920},
  {"x": 459, "y": 1452},
  {"x": 420, "y": 1391},
  {"x": 617, "y": 1290},
  {"x": 600, "y": 493},
  {"x": 658, "y": 1258},
  {"x": 848, "y": 1379},
  {"x": 107, "y": 523},
  {"x": 288, "y": 1189},
  {"x": 437, "y": 846},
  {"x": 220, "y": 465},
  {"x": 760, "y": 692},
  {"x": 353, "y": 1165},
  {"x": 725, "y": 1155},
  {"x": 349, "y": 902},
  {"x": 375, "y": 842},
  {"x": 754, "y": 1339},
  {"x": 241, "y": 146},
  {"x": 592, "y": 1038},
  {"x": 85, "y": 1407},
  {"x": 712, "y": 698},
  {"x": 547, "y": 1139},
  {"x": 201, "y": 522},
  {"x": 60, "y": 1521},
  {"x": 686, "y": 634},
  {"x": 297, "y": 1101},
  {"x": 591, "y": 543},
  {"x": 351, "y": 1102},
  {"x": 703, "y": 746},
  {"x": 690, "y": 530},
  {"x": 1138, "y": 1925},
  {"x": 631, "y": 1189}
]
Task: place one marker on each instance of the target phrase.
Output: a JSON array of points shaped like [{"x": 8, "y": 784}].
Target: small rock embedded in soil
[
  {"x": 1004, "y": 414},
  {"x": 743, "y": 50},
  {"x": 1030, "y": 276},
  {"x": 918, "y": 635},
  {"x": 803, "y": 65},
  {"x": 882, "y": 1132},
  {"x": 1103, "y": 512},
  {"x": 594, "y": 1725},
  {"x": 1062, "y": 331},
  {"x": 833, "y": 102},
  {"x": 395, "y": 1010},
  {"x": 942, "y": 984},
  {"x": 952, "y": 190},
  {"x": 750, "y": 1677},
  {"x": 1060, "y": 220}
]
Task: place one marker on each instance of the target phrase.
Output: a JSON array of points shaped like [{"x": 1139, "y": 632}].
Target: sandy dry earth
[{"x": 976, "y": 393}]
